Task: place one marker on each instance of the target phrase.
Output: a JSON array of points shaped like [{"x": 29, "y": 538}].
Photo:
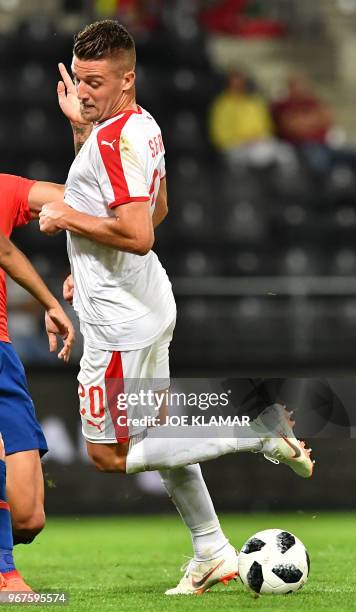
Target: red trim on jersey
[
  {"x": 111, "y": 156},
  {"x": 129, "y": 110},
  {"x": 152, "y": 188},
  {"x": 4, "y": 505},
  {"x": 114, "y": 384},
  {"x": 127, "y": 200}
]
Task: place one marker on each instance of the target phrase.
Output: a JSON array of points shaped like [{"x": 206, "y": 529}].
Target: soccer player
[
  {"x": 20, "y": 201},
  {"x": 115, "y": 196}
]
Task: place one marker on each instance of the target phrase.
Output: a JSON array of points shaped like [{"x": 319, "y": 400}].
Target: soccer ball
[{"x": 274, "y": 561}]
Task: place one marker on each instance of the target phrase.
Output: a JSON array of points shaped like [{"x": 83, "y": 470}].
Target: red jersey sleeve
[{"x": 14, "y": 208}]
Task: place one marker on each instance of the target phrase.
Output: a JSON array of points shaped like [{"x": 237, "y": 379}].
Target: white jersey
[{"x": 123, "y": 300}]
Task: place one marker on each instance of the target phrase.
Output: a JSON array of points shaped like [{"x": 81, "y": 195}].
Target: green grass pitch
[{"x": 127, "y": 563}]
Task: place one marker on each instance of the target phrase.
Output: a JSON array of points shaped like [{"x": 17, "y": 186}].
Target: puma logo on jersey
[{"x": 109, "y": 144}]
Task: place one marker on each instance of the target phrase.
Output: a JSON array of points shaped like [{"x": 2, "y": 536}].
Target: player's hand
[
  {"x": 57, "y": 323},
  {"x": 51, "y": 215},
  {"x": 68, "y": 99},
  {"x": 68, "y": 289}
]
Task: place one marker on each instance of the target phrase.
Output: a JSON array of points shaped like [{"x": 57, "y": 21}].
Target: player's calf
[
  {"x": 25, "y": 493},
  {"x": 27, "y": 525},
  {"x": 10, "y": 579}
]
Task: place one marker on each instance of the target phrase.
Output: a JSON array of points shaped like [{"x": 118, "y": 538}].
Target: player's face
[{"x": 102, "y": 87}]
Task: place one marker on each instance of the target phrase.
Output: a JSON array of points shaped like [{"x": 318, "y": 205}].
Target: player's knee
[
  {"x": 108, "y": 462},
  {"x": 27, "y": 526}
]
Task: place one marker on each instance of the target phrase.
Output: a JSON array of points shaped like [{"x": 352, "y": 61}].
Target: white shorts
[{"x": 115, "y": 389}]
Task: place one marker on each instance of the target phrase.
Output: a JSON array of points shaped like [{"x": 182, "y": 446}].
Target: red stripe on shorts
[
  {"x": 114, "y": 384},
  {"x": 4, "y": 505}
]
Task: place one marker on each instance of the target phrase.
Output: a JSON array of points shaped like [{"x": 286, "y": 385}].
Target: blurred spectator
[
  {"x": 304, "y": 120},
  {"x": 301, "y": 116},
  {"x": 105, "y": 8},
  {"x": 238, "y": 17},
  {"x": 137, "y": 15},
  {"x": 241, "y": 126}
]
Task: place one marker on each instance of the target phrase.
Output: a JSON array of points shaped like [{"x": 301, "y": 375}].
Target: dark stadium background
[{"x": 262, "y": 262}]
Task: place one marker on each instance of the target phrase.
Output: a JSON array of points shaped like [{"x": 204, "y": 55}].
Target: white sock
[
  {"x": 189, "y": 493},
  {"x": 155, "y": 450}
]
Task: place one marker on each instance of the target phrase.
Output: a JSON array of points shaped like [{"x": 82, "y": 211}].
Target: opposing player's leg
[
  {"x": 24, "y": 443},
  {"x": 25, "y": 494},
  {"x": 10, "y": 579}
]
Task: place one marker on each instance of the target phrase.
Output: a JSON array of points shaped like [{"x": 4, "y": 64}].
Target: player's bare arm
[
  {"x": 42, "y": 192},
  {"x": 69, "y": 103},
  {"x": 161, "y": 209},
  {"x": 130, "y": 230},
  {"x": 16, "y": 265}
]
